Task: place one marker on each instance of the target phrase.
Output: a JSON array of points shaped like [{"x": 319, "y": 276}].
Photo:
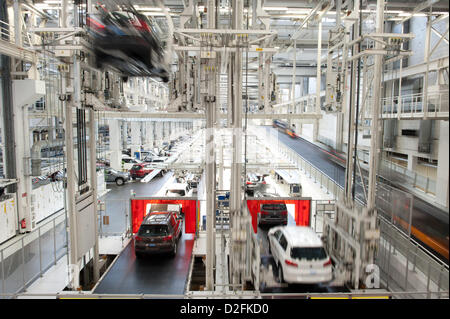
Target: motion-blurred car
[
  {"x": 113, "y": 176},
  {"x": 299, "y": 255},
  {"x": 126, "y": 41}
]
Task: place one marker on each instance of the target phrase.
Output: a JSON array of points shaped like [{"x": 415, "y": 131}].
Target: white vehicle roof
[
  {"x": 301, "y": 236},
  {"x": 177, "y": 186}
]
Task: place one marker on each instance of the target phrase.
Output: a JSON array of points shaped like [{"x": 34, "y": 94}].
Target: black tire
[
  {"x": 120, "y": 181},
  {"x": 174, "y": 252},
  {"x": 280, "y": 274}
]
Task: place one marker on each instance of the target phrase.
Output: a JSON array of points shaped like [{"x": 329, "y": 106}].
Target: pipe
[{"x": 36, "y": 154}]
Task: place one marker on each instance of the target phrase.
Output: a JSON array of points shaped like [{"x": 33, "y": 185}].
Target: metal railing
[
  {"x": 413, "y": 105},
  {"x": 27, "y": 257},
  {"x": 417, "y": 263},
  {"x": 403, "y": 176},
  {"x": 233, "y": 295},
  {"x": 7, "y": 33}
]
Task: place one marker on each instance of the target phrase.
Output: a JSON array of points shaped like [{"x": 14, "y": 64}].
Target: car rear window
[
  {"x": 153, "y": 230},
  {"x": 274, "y": 206},
  {"x": 136, "y": 167},
  {"x": 180, "y": 192},
  {"x": 308, "y": 253}
]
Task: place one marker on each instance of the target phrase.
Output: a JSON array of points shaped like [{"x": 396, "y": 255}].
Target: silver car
[{"x": 111, "y": 175}]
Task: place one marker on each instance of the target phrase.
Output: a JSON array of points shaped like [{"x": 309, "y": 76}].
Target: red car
[{"x": 140, "y": 170}]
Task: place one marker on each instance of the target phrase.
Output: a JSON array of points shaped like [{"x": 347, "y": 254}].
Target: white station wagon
[{"x": 299, "y": 255}]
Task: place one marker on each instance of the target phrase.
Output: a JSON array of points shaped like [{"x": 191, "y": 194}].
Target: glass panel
[
  {"x": 13, "y": 267},
  {"x": 61, "y": 239},
  {"x": 47, "y": 249},
  {"x": 32, "y": 266}
]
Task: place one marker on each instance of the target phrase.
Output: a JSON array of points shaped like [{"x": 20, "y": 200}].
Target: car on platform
[
  {"x": 178, "y": 190},
  {"x": 154, "y": 159},
  {"x": 141, "y": 170},
  {"x": 254, "y": 181},
  {"x": 299, "y": 255},
  {"x": 113, "y": 176},
  {"x": 128, "y": 162},
  {"x": 158, "y": 233},
  {"x": 271, "y": 213}
]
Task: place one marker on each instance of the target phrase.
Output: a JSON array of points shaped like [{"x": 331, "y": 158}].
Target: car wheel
[
  {"x": 174, "y": 252},
  {"x": 280, "y": 274},
  {"x": 120, "y": 181}
]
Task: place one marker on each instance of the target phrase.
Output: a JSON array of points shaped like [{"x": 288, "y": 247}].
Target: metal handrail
[{"x": 346, "y": 295}]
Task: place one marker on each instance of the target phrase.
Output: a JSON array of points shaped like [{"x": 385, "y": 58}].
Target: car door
[
  {"x": 282, "y": 245},
  {"x": 274, "y": 244},
  {"x": 108, "y": 176},
  {"x": 176, "y": 225}
]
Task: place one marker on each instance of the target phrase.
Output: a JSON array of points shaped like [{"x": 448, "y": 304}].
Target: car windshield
[
  {"x": 153, "y": 230},
  {"x": 113, "y": 171},
  {"x": 308, "y": 253},
  {"x": 274, "y": 206},
  {"x": 180, "y": 192},
  {"x": 136, "y": 167}
]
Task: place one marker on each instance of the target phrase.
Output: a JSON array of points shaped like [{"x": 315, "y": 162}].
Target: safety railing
[
  {"x": 416, "y": 263},
  {"x": 413, "y": 105},
  {"x": 305, "y": 166},
  {"x": 233, "y": 294},
  {"x": 7, "y": 33},
  {"x": 27, "y": 257},
  {"x": 403, "y": 176},
  {"x": 304, "y": 104}
]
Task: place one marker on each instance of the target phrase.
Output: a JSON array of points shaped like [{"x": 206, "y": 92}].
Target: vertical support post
[
  {"x": 54, "y": 242},
  {"x": 93, "y": 170},
  {"x": 375, "y": 125},
  {"x": 70, "y": 181},
  {"x": 294, "y": 80},
  {"x": 427, "y": 63},
  {"x": 210, "y": 177}
]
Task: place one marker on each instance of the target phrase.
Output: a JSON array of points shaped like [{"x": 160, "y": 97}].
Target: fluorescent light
[{"x": 276, "y": 8}]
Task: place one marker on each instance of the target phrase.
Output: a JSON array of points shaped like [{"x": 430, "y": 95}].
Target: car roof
[
  {"x": 157, "y": 218},
  {"x": 301, "y": 236},
  {"x": 177, "y": 186}
]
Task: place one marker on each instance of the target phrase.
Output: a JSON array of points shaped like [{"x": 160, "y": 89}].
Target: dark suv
[
  {"x": 273, "y": 214},
  {"x": 159, "y": 233}
]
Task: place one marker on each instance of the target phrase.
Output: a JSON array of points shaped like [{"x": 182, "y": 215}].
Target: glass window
[
  {"x": 308, "y": 253},
  {"x": 180, "y": 192},
  {"x": 283, "y": 242},
  {"x": 277, "y": 234},
  {"x": 153, "y": 230}
]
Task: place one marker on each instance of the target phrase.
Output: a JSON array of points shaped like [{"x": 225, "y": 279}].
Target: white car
[
  {"x": 178, "y": 190},
  {"x": 128, "y": 162},
  {"x": 299, "y": 255}
]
